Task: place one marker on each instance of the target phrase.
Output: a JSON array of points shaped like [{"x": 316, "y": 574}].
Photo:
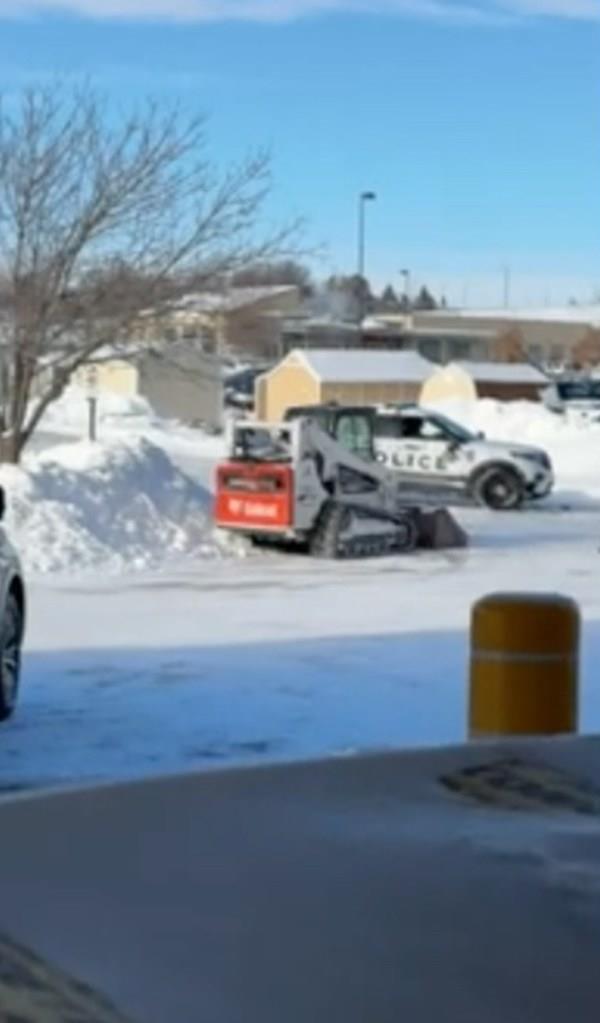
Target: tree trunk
[{"x": 11, "y": 449}]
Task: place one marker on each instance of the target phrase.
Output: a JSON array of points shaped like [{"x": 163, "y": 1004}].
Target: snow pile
[
  {"x": 70, "y": 413},
  {"x": 112, "y": 506},
  {"x": 126, "y": 417},
  {"x": 572, "y": 441}
]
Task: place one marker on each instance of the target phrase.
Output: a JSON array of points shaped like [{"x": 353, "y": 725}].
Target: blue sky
[{"x": 477, "y": 123}]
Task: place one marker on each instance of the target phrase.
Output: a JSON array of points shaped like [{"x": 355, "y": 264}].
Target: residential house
[
  {"x": 347, "y": 377},
  {"x": 246, "y": 321}
]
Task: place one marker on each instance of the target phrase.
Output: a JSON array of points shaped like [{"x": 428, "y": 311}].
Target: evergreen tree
[
  {"x": 389, "y": 298},
  {"x": 424, "y": 301}
]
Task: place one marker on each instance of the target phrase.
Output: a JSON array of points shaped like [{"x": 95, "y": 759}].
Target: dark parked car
[
  {"x": 239, "y": 387},
  {"x": 12, "y": 620}
]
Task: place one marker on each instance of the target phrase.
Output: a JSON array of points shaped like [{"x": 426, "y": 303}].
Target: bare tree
[
  {"x": 586, "y": 353},
  {"x": 509, "y": 346},
  {"x": 100, "y": 215}
]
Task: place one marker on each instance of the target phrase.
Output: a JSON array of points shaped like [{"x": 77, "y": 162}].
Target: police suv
[
  {"x": 427, "y": 448},
  {"x": 431, "y": 454}
]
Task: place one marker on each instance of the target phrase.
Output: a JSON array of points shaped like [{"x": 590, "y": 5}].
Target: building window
[
  {"x": 430, "y": 348},
  {"x": 458, "y": 349}
]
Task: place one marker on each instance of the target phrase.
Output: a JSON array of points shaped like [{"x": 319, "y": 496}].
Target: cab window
[{"x": 354, "y": 432}]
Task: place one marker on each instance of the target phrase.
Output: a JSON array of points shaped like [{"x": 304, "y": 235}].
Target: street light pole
[{"x": 363, "y": 199}]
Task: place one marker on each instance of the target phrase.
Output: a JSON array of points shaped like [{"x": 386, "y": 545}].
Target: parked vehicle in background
[
  {"x": 12, "y": 620},
  {"x": 580, "y": 395},
  {"x": 432, "y": 453},
  {"x": 239, "y": 387}
]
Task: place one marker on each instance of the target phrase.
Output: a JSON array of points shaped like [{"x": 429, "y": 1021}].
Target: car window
[
  {"x": 388, "y": 427},
  {"x": 432, "y": 429},
  {"x": 579, "y": 390},
  {"x": 411, "y": 426}
]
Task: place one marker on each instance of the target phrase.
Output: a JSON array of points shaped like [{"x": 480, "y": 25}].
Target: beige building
[
  {"x": 179, "y": 380},
  {"x": 547, "y": 335},
  {"x": 467, "y": 381},
  {"x": 348, "y": 377},
  {"x": 389, "y": 331},
  {"x": 243, "y": 320}
]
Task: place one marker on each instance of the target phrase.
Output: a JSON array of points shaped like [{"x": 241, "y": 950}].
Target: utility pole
[
  {"x": 363, "y": 199},
  {"x": 506, "y": 282}
]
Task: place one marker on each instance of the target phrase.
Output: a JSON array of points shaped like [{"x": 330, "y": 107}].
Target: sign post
[{"x": 92, "y": 399}]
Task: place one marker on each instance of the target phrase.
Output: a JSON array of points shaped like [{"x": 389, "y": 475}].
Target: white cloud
[{"x": 284, "y": 10}]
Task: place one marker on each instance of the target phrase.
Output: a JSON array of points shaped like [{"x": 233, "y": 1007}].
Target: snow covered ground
[
  {"x": 276, "y": 657},
  {"x": 126, "y": 418},
  {"x": 171, "y": 653}
]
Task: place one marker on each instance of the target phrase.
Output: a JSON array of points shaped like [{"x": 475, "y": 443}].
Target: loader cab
[{"x": 352, "y": 426}]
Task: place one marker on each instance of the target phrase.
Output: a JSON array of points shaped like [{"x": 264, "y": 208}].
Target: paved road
[{"x": 354, "y": 890}]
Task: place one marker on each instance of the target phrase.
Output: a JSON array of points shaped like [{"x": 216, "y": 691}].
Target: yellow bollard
[{"x": 524, "y": 665}]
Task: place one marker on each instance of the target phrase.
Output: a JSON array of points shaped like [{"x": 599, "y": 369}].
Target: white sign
[{"x": 92, "y": 380}]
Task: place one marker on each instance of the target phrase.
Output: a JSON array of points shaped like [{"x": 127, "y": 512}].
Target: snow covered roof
[
  {"x": 117, "y": 350},
  {"x": 341, "y": 366},
  {"x": 467, "y": 331},
  {"x": 585, "y": 314},
  {"x": 230, "y": 300},
  {"x": 502, "y": 372}
]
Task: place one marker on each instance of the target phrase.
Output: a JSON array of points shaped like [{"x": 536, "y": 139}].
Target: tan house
[
  {"x": 548, "y": 335},
  {"x": 243, "y": 320},
  {"x": 179, "y": 380},
  {"x": 467, "y": 381},
  {"x": 348, "y": 377}
]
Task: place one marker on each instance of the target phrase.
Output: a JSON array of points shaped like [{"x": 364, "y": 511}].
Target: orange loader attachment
[{"x": 254, "y": 497}]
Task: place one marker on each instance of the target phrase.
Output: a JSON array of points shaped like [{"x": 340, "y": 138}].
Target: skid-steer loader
[{"x": 297, "y": 482}]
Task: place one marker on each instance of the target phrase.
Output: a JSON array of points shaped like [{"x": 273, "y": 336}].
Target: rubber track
[{"x": 326, "y": 542}]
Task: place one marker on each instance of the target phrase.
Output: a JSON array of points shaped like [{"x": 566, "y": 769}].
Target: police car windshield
[{"x": 454, "y": 430}]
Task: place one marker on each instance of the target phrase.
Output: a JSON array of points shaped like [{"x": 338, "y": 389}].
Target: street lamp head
[{"x": 368, "y": 196}]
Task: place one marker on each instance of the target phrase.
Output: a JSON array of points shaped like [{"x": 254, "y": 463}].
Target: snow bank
[
  {"x": 70, "y": 412},
  {"x": 126, "y": 417},
  {"x": 572, "y": 441},
  {"x": 113, "y": 506}
]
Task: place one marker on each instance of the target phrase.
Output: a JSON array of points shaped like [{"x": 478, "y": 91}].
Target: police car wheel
[{"x": 498, "y": 488}]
